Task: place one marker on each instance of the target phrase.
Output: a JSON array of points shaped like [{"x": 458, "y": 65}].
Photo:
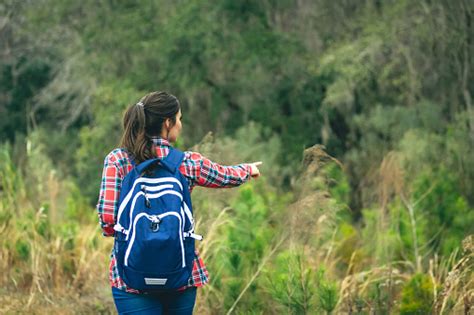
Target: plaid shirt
[{"x": 196, "y": 168}]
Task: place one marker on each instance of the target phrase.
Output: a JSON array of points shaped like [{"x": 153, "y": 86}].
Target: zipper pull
[
  {"x": 147, "y": 201},
  {"x": 155, "y": 224}
]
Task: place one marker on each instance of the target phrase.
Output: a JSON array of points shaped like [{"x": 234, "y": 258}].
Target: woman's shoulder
[{"x": 118, "y": 156}]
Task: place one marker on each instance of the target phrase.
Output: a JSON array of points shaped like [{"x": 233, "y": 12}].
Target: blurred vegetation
[{"x": 362, "y": 113}]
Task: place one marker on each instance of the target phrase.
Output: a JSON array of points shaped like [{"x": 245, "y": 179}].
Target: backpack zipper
[
  {"x": 146, "y": 180},
  {"x": 148, "y": 197}
]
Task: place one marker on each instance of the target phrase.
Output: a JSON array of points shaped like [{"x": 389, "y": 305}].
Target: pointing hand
[{"x": 255, "y": 172}]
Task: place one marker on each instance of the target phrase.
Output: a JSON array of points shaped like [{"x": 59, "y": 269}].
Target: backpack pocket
[
  {"x": 156, "y": 243},
  {"x": 149, "y": 281}
]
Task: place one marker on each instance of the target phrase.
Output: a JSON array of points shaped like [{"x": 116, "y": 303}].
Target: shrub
[{"x": 417, "y": 296}]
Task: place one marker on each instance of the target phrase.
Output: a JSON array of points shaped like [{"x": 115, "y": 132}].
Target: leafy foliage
[
  {"x": 417, "y": 297},
  {"x": 383, "y": 85}
]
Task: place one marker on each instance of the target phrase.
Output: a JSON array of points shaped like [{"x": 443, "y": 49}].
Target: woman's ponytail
[{"x": 144, "y": 120}]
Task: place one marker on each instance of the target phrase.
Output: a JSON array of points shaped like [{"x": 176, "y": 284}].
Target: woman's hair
[{"x": 145, "y": 120}]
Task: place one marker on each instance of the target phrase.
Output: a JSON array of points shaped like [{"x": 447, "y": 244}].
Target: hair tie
[{"x": 140, "y": 104}]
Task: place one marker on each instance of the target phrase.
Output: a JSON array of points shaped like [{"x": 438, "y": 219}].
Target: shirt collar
[{"x": 160, "y": 141}]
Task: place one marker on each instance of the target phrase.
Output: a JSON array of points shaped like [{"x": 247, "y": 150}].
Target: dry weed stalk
[
  {"x": 313, "y": 205},
  {"x": 86, "y": 257},
  {"x": 391, "y": 179},
  {"x": 357, "y": 285},
  {"x": 208, "y": 247},
  {"x": 456, "y": 280},
  {"x": 210, "y": 238}
]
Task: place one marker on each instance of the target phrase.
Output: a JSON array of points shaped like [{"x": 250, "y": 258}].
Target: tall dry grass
[
  {"x": 51, "y": 260},
  {"x": 268, "y": 251}
]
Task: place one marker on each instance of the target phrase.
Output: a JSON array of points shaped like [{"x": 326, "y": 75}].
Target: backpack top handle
[{"x": 171, "y": 162}]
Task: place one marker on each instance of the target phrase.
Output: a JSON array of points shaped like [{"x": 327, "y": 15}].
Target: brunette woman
[{"x": 150, "y": 127}]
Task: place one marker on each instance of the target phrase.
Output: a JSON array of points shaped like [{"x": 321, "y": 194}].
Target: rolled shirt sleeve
[{"x": 109, "y": 193}]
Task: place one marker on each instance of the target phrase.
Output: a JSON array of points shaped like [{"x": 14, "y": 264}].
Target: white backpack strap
[
  {"x": 121, "y": 229},
  {"x": 189, "y": 215},
  {"x": 193, "y": 235}
]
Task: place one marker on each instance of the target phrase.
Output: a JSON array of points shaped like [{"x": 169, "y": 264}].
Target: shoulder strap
[{"x": 173, "y": 160}]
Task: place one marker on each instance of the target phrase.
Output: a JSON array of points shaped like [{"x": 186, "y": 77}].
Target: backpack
[{"x": 154, "y": 233}]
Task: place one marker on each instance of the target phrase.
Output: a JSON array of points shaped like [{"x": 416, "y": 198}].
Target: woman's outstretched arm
[{"x": 201, "y": 171}]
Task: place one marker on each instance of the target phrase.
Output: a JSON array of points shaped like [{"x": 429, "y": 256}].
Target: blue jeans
[{"x": 170, "y": 302}]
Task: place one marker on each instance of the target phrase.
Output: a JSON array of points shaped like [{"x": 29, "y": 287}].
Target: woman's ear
[{"x": 167, "y": 123}]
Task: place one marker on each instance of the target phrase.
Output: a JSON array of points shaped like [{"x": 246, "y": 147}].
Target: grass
[{"x": 267, "y": 252}]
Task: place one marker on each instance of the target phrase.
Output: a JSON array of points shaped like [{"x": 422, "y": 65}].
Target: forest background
[{"x": 362, "y": 112}]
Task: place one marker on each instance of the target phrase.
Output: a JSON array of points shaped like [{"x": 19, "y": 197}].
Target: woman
[{"x": 149, "y": 128}]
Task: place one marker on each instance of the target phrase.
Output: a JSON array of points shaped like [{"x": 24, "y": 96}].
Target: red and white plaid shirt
[{"x": 196, "y": 168}]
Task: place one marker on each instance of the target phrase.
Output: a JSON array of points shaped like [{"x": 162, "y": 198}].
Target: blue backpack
[{"x": 154, "y": 238}]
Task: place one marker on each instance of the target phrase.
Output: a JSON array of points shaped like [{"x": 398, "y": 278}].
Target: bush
[{"x": 417, "y": 296}]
